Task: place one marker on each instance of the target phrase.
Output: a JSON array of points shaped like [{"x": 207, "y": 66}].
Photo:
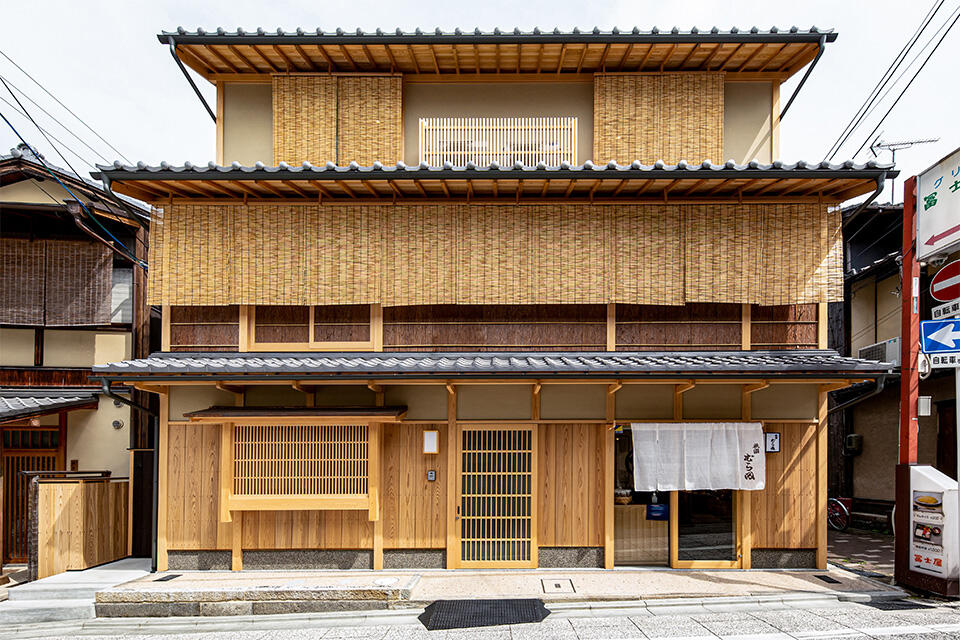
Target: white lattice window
[{"x": 501, "y": 140}]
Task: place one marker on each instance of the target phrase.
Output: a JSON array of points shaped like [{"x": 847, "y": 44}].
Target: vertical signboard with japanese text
[
  {"x": 933, "y": 522},
  {"x": 938, "y": 207}
]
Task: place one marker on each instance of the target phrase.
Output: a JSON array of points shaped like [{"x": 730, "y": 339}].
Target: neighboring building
[
  {"x": 873, "y": 240},
  {"x": 68, "y": 300},
  {"x": 406, "y": 322}
]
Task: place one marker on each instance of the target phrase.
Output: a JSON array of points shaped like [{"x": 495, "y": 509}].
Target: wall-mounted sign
[
  {"x": 938, "y": 207},
  {"x": 933, "y": 522},
  {"x": 949, "y": 310},
  {"x": 773, "y": 441},
  {"x": 945, "y": 284},
  {"x": 940, "y": 336},
  {"x": 944, "y": 360}
]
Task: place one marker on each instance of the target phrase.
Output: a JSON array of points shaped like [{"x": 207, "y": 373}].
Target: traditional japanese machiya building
[{"x": 407, "y": 322}]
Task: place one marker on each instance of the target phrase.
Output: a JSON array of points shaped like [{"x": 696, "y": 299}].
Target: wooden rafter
[
  {"x": 713, "y": 54},
  {"x": 583, "y": 55},
  {"x": 413, "y": 59},
  {"x": 198, "y": 54},
  {"x": 394, "y": 65},
  {"x": 348, "y": 58},
  {"x": 696, "y": 47},
  {"x": 793, "y": 59},
  {"x": 293, "y": 187},
  {"x": 626, "y": 56},
  {"x": 346, "y": 189},
  {"x": 646, "y": 56},
  {"x": 266, "y": 60},
  {"x": 291, "y": 65},
  {"x": 773, "y": 57},
  {"x": 331, "y": 65},
  {"x": 246, "y": 62},
  {"x": 666, "y": 58},
  {"x": 750, "y": 58},
  {"x": 729, "y": 57},
  {"x": 303, "y": 56}
]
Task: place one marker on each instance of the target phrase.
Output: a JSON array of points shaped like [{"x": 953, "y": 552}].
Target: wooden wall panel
[
  {"x": 494, "y": 327},
  {"x": 792, "y": 326},
  {"x": 80, "y": 524},
  {"x": 570, "y": 486},
  {"x": 413, "y": 508},
  {"x": 204, "y": 328},
  {"x": 694, "y": 326},
  {"x": 784, "y": 513}
]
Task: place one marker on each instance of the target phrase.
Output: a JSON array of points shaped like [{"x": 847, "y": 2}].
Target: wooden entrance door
[
  {"x": 24, "y": 448},
  {"x": 496, "y": 501}
]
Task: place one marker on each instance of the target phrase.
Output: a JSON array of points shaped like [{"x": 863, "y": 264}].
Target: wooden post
[
  {"x": 226, "y": 469},
  {"x": 376, "y": 327},
  {"x": 609, "y": 470},
  {"x": 821, "y": 478},
  {"x": 129, "y": 505},
  {"x": 243, "y": 339},
  {"x": 165, "y": 327},
  {"x": 236, "y": 546},
  {"x": 822, "y": 325},
  {"x": 745, "y": 337},
  {"x": 162, "y": 480},
  {"x": 373, "y": 479},
  {"x": 220, "y": 122},
  {"x": 453, "y": 447},
  {"x": 535, "y": 401},
  {"x": 611, "y": 326},
  {"x": 744, "y": 510},
  {"x": 775, "y": 120}
]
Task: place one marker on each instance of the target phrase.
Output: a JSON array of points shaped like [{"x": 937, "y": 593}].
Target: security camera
[{"x": 936, "y": 261}]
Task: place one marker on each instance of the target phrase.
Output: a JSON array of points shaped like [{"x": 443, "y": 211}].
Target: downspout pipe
[
  {"x": 803, "y": 80},
  {"x": 173, "y": 52},
  {"x": 881, "y": 381},
  {"x": 881, "y": 179},
  {"x": 110, "y": 393}
]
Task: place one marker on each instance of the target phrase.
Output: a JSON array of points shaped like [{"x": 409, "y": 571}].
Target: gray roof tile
[
  {"x": 24, "y": 402},
  {"x": 544, "y": 364}
]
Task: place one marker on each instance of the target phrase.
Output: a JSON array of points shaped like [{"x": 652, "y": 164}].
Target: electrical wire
[
  {"x": 54, "y": 118},
  {"x": 70, "y": 111},
  {"x": 14, "y": 108},
  {"x": 914, "y": 77},
  {"x": 872, "y": 97},
  {"x": 53, "y": 175}
]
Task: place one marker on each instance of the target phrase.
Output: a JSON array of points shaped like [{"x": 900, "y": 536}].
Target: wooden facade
[{"x": 287, "y": 291}]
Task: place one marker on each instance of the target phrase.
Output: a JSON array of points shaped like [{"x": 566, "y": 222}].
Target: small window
[
  {"x": 501, "y": 140},
  {"x": 320, "y": 328}
]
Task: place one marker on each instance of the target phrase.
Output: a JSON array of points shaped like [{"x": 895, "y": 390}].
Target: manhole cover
[{"x": 561, "y": 585}]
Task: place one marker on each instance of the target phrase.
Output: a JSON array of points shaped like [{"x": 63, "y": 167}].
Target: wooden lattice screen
[{"x": 300, "y": 460}]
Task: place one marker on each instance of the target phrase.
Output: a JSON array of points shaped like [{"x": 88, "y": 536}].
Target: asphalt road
[{"x": 905, "y": 619}]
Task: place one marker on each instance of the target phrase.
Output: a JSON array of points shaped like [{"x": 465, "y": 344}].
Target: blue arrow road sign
[{"x": 940, "y": 336}]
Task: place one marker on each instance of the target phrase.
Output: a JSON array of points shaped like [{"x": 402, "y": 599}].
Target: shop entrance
[
  {"x": 640, "y": 518},
  {"x": 496, "y": 496},
  {"x": 706, "y": 526}
]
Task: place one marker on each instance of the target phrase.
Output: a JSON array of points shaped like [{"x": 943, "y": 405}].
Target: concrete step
[
  {"x": 30, "y": 611},
  {"x": 46, "y": 591}
]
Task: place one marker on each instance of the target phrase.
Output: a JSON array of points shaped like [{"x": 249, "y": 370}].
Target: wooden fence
[{"x": 80, "y": 522}]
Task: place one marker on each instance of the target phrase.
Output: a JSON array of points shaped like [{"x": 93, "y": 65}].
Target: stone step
[
  {"x": 46, "y": 591},
  {"x": 30, "y": 611}
]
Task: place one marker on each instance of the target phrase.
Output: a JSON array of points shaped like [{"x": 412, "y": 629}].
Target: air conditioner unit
[{"x": 886, "y": 351}]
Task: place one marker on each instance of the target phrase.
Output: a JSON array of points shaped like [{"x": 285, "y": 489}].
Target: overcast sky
[{"x": 103, "y": 60}]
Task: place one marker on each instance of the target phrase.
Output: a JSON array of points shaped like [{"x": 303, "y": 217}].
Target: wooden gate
[
  {"x": 24, "y": 448},
  {"x": 496, "y": 505}
]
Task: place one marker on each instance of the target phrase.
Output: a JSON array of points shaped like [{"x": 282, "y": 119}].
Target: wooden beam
[
  {"x": 453, "y": 447},
  {"x": 611, "y": 326},
  {"x": 745, "y": 327},
  {"x": 822, "y": 325}
]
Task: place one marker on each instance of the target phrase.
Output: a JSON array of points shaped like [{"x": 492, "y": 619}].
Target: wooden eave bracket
[
  {"x": 683, "y": 387},
  {"x": 750, "y": 388},
  {"x": 303, "y": 388},
  {"x": 149, "y": 388},
  {"x": 451, "y": 388},
  {"x": 614, "y": 387},
  {"x": 374, "y": 386},
  {"x": 836, "y": 386},
  {"x": 229, "y": 388}
]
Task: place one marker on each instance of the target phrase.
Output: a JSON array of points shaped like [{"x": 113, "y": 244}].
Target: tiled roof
[
  {"x": 26, "y": 402},
  {"x": 474, "y": 364},
  {"x": 211, "y": 170},
  {"x": 497, "y": 35}
]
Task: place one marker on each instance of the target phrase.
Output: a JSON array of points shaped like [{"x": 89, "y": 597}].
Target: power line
[
  {"x": 70, "y": 111},
  {"x": 917, "y": 73},
  {"x": 872, "y": 98},
  {"x": 24, "y": 116},
  {"x": 129, "y": 253},
  {"x": 52, "y": 117}
]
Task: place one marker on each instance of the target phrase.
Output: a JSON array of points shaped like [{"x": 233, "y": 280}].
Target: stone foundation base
[
  {"x": 414, "y": 559},
  {"x": 198, "y": 561},
  {"x": 783, "y": 558},
  {"x": 308, "y": 559},
  {"x": 571, "y": 557}
]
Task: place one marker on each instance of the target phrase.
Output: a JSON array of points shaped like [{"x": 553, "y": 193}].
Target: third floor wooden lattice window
[{"x": 501, "y": 140}]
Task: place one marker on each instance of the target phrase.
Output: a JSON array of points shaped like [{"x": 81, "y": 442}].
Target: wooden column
[
  {"x": 745, "y": 337},
  {"x": 165, "y": 328},
  {"x": 243, "y": 338},
  {"x": 376, "y": 327},
  {"x": 611, "y": 326},
  {"x": 608, "y": 441},
  {"x": 374, "y": 490},
  {"x": 162, "y": 480},
  {"x": 236, "y": 544},
  {"x": 453, "y": 446},
  {"x": 822, "y": 325},
  {"x": 821, "y": 477}
]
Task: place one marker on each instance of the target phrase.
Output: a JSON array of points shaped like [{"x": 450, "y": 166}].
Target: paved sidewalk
[
  {"x": 863, "y": 551},
  {"x": 912, "y": 619}
]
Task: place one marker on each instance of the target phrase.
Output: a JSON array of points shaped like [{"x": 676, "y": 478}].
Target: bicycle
[{"x": 838, "y": 516}]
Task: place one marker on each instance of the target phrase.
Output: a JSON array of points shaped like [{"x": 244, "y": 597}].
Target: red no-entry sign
[{"x": 945, "y": 286}]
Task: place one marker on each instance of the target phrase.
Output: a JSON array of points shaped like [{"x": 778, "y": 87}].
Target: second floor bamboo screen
[
  {"x": 338, "y": 119},
  {"x": 665, "y": 116},
  {"x": 399, "y": 255}
]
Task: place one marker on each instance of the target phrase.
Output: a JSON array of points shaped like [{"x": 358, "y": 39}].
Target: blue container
[{"x": 658, "y": 512}]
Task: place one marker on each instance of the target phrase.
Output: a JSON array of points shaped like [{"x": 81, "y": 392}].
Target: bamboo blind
[
  {"x": 551, "y": 140},
  {"x": 296, "y": 460},
  {"x": 55, "y": 282},
  {"x": 322, "y": 119},
  {"x": 495, "y": 254},
  {"x": 650, "y": 117}
]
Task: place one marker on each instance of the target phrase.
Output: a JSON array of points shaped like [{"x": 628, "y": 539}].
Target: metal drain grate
[
  {"x": 168, "y": 577},
  {"x": 461, "y": 614},
  {"x": 897, "y": 605},
  {"x": 828, "y": 579}
]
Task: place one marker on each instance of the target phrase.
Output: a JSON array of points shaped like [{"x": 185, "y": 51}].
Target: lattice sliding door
[{"x": 497, "y": 502}]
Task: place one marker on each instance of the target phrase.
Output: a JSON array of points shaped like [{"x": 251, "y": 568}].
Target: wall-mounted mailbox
[{"x": 853, "y": 444}]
